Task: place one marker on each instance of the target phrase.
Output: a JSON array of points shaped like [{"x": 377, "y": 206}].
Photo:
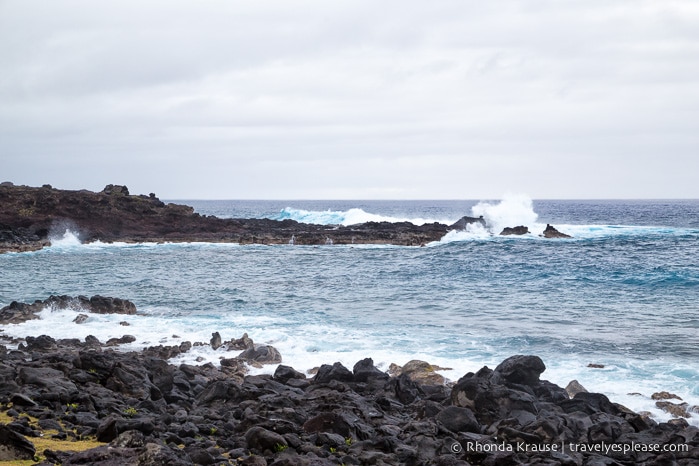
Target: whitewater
[{"x": 622, "y": 293}]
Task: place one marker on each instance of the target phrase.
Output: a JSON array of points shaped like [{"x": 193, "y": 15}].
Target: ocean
[{"x": 623, "y": 293}]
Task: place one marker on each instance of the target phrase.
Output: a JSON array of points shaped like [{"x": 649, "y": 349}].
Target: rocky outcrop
[
  {"x": 16, "y": 312},
  {"x": 465, "y": 221},
  {"x": 149, "y": 412},
  {"x": 28, "y": 216},
  {"x": 518, "y": 230},
  {"x": 551, "y": 232}
]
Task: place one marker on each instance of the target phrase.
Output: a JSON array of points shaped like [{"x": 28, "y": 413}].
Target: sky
[{"x": 279, "y": 99}]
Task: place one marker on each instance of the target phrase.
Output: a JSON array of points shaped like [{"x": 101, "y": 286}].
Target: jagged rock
[
  {"x": 17, "y": 312},
  {"x": 112, "y": 189},
  {"x": 677, "y": 410},
  {"x": 405, "y": 389},
  {"x": 337, "y": 371},
  {"x": 80, "y": 319},
  {"x": 146, "y": 407},
  {"x": 215, "y": 341},
  {"x": 365, "y": 371},
  {"x": 242, "y": 343},
  {"x": 107, "y": 305},
  {"x": 664, "y": 396},
  {"x": 551, "y": 232},
  {"x": 518, "y": 230},
  {"x": 40, "y": 343},
  {"x": 14, "y": 446},
  {"x": 574, "y": 387},
  {"x": 463, "y": 222},
  {"x": 285, "y": 373}
]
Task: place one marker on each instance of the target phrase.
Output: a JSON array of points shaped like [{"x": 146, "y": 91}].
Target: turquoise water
[{"x": 624, "y": 292}]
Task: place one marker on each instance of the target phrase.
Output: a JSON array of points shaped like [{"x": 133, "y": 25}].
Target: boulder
[
  {"x": 215, "y": 341},
  {"x": 520, "y": 369},
  {"x": 285, "y": 373},
  {"x": 115, "y": 190},
  {"x": 422, "y": 373},
  {"x": 261, "y": 439},
  {"x": 365, "y": 371},
  {"x": 337, "y": 371},
  {"x": 14, "y": 446},
  {"x": 458, "y": 419},
  {"x": 120, "y": 341},
  {"x": 261, "y": 354},
  {"x": 574, "y": 387}
]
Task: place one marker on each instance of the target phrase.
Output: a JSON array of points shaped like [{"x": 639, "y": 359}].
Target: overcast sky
[{"x": 353, "y": 99}]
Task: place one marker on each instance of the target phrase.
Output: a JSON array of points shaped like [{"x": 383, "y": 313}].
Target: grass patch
[{"x": 46, "y": 442}]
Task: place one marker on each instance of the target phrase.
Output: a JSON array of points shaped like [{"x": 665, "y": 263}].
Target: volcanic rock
[
  {"x": 261, "y": 354},
  {"x": 465, "y": 221},
  {"x": 422, "y": 372},
  {"x": 14, "y": 446},
  {"x": 28, "y": 214},
  {"x": 551, "y": 232},
  {"x": 16, "y": 312},
  {"x": 518, "y": 230},
  {"x": 153, "y": 412}
]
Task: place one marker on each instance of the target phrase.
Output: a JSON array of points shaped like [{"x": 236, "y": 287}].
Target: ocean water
[{"x": 623, "y": 292}]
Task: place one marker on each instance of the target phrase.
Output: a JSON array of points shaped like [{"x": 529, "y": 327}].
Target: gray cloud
[{"x": 274, "y": 99}]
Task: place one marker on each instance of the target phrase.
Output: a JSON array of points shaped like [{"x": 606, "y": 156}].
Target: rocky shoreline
[
  {"x": 29, "y": 216},
  {"x": 102, "y": 406}
]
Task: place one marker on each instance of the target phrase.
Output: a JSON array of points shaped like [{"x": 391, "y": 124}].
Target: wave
[
  {"x": 513, "y": 210},
  {"x": 305, "y": 345},
  {"x": 347, "y": 217}
]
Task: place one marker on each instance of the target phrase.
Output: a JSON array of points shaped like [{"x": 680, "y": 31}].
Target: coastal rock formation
[
  {"x": 30, "y": 216},
  {"x": 465, "y": 221},
  {"x": 518, "y": 230},
  {"x": 551, "y": 232},
  {"x": 16, "y": 312},
  {"x": 139, "y": 409}
]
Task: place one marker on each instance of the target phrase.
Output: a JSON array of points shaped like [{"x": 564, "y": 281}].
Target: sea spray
[
  {"x": 513, "y": 210},
  {"x": 351, "y": 216}
]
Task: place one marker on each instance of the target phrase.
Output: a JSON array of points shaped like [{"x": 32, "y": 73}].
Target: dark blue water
[{"x": 623, "y": 292}]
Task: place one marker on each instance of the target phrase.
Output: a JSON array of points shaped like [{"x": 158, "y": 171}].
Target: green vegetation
[
  {"x": 46, "y": 442},
  {"x": 278, "y": 448}
]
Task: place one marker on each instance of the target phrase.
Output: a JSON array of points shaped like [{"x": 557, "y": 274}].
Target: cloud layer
[{"x": 276, "y": 99}]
